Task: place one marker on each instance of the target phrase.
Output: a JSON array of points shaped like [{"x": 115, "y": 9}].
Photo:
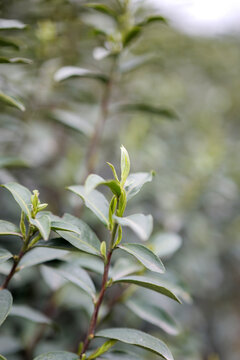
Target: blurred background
[{"x": 173, "y": 102}]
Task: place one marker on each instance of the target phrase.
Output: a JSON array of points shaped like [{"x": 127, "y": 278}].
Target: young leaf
[
  {"x": 104, "y": 9},
  {"x": 141, "y": 224},
  {"x": 7, "y": 228},
  {"x": 4, "y": 255},
  {"x": 103, "y": 249},
  {"x": 68, "y": 72},
  {"x": 43, "y": 224},
  {"x": 22, "y": 196},
  {"x": 28, "y": 313},
  {"x": 5, "y": 304},
  {"x": 125, "y": 165},
  {"x": 94, "y": 180},
  {"x": 57, "y": 355},
  {"x": 11, "y": 101},
  {"x": 145, "y": 256},
  {"x": 149, "y": 283},
  {"x": 7, "y": 24},
  {"x": 40, "y": 255},
  {"x": 153, "y": 315},
  {"x": 151, "y": 19},
  {"x": 84, "y": 239},
  {"x": 2, "y": 357},
  {"x": 138, "y": 338},
  {"x": 102, "y": 349},
  {"x": 113, "y": 170},
  {"x": 131, "y": 35},
  {"x": 95, "y": 201},
  {"x": 135, "y": 182}
]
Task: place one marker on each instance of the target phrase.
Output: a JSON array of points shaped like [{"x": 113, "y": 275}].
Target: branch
[
  {"x": 17, "y": 259},
  {"x": 93, "y": 321}
]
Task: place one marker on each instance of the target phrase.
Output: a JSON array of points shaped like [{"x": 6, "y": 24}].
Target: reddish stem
[{"x": 93, "y": 322}]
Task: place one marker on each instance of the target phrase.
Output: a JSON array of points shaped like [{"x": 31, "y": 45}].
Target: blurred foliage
[{"x": 196, "y": 189}]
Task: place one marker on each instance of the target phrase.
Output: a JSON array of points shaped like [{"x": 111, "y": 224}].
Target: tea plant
[
  {"x": 39, "y": 244},
  {"x": 127, "y": 23}
]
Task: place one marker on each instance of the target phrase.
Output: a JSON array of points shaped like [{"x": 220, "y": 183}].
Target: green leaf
[
  {"x": 125, "y": 165},
  {"x": 104, "y": 9},
  {"x": 68, "y": 72},
  {"x": 131, "y": 35},
  {"x": 73, "y": 121},
  {"x": 141, "y": 224},
  {"x": 94, "y": 181},
  {"x": 84, "y": 239},
  {"x": 153, "y": 315},
  {"x": 22, "y": 196},
  {"x": 8, "y": 43},
  {"x": 4, "y": 255},
  {"x": 11, "y": 101},
  {"x": 77, "y": 276},
  {"x": 122, "y": 355},
  {"x": 135, "y": 182},
  {"x": 138, "y": 338},
  {"x": 10, "y": 345},
  {"x": 113, "y": 171},
  {"x": 145, "y": 256},
  {"x": 151, "y": 19},
  {"x": 10, "y": 161},
  {"x": 56, "y": 243},
  {"x": 64, "y": 225},
  {"x": 28, "y": 313},
  {"x": 88, "y": 262},
  {"x": 149, "y": 283},
  {"x": 43, "y": 224},
  {"x": 102, "y": 349},
  {"x": 134, "y": 63},
  {"x": 39, "y": 255},
  {"x": 2, "y": 357},
  {"x": 17, "y": 60},
  {"x": 7, "y": 228},
  {"x": 165, "y": 244},
  {"x": 57, "y": 355},
  {"x": 149, "y": 109},
  {"x": 95, "y": 201},
  {"x": 124, "y": 267},
  {"x": 7, "y": 24},
  {"x": 52, "y": 279},
  {"x": 5, "y": 304}
]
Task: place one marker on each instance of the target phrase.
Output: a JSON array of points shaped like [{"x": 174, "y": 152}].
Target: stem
[
  {"x": 93, "y": 321},
  {"x": 17, "y": 259},
  {"x": 97, "y": 134}
]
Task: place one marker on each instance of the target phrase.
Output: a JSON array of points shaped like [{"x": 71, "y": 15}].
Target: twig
[
  {"x": 98, "y": 303},
  {"x": 17, "y": 259}
]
